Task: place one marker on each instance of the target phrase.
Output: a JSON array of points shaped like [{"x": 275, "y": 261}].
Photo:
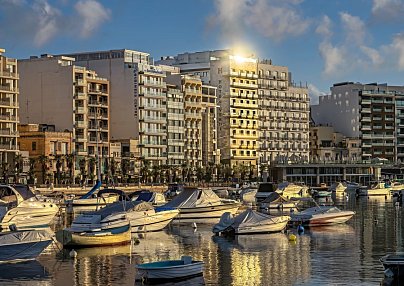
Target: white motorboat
[
  {"x": 249, "y": 222},
  {"x": 393, "y": 265},
  {"x": 154, "y": 198},
  {"x": 337, "y": 187},
  {"x": 169, "y": 270},
  {"x": 321, "y": 215},
  {"x": 92, "y": 198},
  {"x": 247, "y": 196},
  {"x": 291, "y": 190},
  {"x": 377, "y": 189},
  {"x": 23, "y": 244},
  {"x": 201, "y": 205},
  {"x": 350, "y": 186},
  {"x": 278, "y": 202},
  {"x": 143, "y": 217},
  {"x": 20, "y": 207}
]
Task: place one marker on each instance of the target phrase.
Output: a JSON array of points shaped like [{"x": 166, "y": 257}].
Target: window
[{"x": 33, "y": 146}]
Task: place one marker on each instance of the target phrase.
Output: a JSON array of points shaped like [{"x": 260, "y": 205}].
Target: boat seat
[
  {"x": 9, "y": 199},
  {"x": 186, "y": 259}
]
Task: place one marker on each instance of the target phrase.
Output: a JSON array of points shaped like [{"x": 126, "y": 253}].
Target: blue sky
[{"x": 321, "y": 41}]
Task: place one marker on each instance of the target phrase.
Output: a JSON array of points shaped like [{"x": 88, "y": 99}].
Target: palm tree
[
  {"x": 125, "y": 165},
  {"x": 18, "y": 164},
  {"x": 145, "y": 170},
  {"x": 83, "y": 172},
  {"x": 71, "y": 160},
  {"x": 31, "y": 172},
  {"x": 59, "y": 164},
  {"x": 156, "y": 173},
  {"x": 43, "y": 161},
  {"x": 91, "y": 167},
  {"x": 5, "y": 170}
]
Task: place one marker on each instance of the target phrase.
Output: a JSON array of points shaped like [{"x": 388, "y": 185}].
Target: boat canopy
[
  {"x": 151, "y": 197},
  {"x": 120, "y": 193},
  {"x": 193, "y": 197},
  {"x": 18, "y": 237},
  {"x": 92, "y": 191},
  {"x": 121, "y": 206},
  {"x": 275, "y": 198},
  {"x": 24, "y": 191},
  {"x": 248, "y": 217}
]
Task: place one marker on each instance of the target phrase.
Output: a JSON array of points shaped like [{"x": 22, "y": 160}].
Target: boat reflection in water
[
  {"x": 256, "y": 258},
  {"x": 24, "y": 273}
]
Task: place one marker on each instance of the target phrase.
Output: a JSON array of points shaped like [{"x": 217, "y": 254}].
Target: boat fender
[
  {"x": 388, "y": 273},
  {"x": 73, "y": 253},
  {"x": 292, "y": 237},
  {"x": 300, "y": 229},
  {"x": 136, "y": 241},
  {"x": 194, "y": 225}
]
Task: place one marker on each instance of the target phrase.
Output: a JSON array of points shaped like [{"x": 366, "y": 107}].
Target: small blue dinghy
[{"x": 169, "y": 270}]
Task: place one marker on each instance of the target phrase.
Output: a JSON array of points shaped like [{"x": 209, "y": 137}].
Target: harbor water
[{"x": 345, "y": 254}]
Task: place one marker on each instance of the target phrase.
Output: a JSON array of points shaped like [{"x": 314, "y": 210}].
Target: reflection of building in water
[{"x": 267, "y": 259}]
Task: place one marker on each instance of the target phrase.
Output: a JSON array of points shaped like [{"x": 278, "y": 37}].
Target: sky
[{"x": 321, "y": 41}]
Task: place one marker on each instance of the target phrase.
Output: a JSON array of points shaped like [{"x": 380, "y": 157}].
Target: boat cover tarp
[
  {"x": 275, "y": 198},
  {"x": 146, "y": 196},
  {"x": 17, "y": 237},
  {"x": 248, "y": 217},
  {"x": 191, "y": 198},
  {"x": 225, "y": 221},
  {"x": 122, "y": 206},
  {"x": 24, "y": 191}
]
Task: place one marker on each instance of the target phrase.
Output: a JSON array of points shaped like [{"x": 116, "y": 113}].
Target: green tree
[
  {"x": 31, "y": 172},
  {"x": 59, "y": 164},
  {"x": 18, "y": 165},
  {"x": 43, "y": 161},
  {"x": 70, "y": 162}
]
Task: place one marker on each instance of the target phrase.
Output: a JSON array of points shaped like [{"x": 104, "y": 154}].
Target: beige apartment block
[
  {"x": 191, "y": 87},
  {"x": 236, "y": 79},
  {"x": 284, "y": 116},
  {"x": 138, "y": 101},
  {"x": 210, "y": 151},
  {"x": 175, "y": 126},
  {"x": 57, "y": 92},
  {"x": 49, "y": 148},
  {"x": 9, "y": 108}
]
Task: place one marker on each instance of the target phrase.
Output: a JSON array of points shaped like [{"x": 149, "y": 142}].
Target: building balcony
[
  {"x": 366, "y": 119},
  {"x": 193, "y": 91},
  {"x": 8, "y": 147},
  {"x": 155, "y": 84},
  {"x": 190, "y": 104},
  {"x": 80, "y": 96},
  {"x": 244, "y": 105},
  {"x": 8, "y": 118},
  {"x": 80, "y": 109},
  {"x": 244, "y": 136},
  {"x": 244, "y": 157},
  {"x": 190, "y": 115},
  {"x": 156, "y": 107},
  {"x": 244, "y": 85},
  {"x": 81, "y": 124},
  {"x": 8, "y": 88},
  {"x": 7, "y": 74},
  {"x": 80, "y": 82},
  {"x": 247, "y": 75},
  {"x": 366, "y": 110},
  {"x": 148, "y": 131},
  {"x": 8, "y": 133},
  {"x": 8, "y": 103},
  {"x": 366, "y": 101},
  {"x": 152, "y": 119},
  {"x": 175, "y": 142},
  {"x": 152, "y": 144}
]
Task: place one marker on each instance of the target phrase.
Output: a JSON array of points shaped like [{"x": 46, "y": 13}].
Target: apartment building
[
  {"x": 210, "y": 151},
  {"x": 138, "y": 104},
  {"x": 57, "y": 92},
  {"x": 284, "y": 116},
  {"x": 9, "y": 108},
  {"x": 191, "y": 87},
  {"x": 49, "y": 148},
  {"x": 237, "y": 95},
  {"x": 175, "y": 126},
  {"x": 370, "y": 112}
]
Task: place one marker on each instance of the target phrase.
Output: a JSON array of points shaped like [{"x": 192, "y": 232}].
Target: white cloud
[
  {"x": 314, "y": 94},
  {"x": 273, "y": 19},
  {"x": 38, "y": 21},
  {"x": 373, "y": 54},
  {"x": 92, "y": 14},
  {"x": 354, "y": 28},
  {"x": 388, "y": 10},
  {"x": 333, "y": 56},
  {"x": 397, "y": 47},
  {"x": 324, "y": 28}
]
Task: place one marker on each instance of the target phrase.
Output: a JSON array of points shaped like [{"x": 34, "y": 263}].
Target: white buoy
[
  {"x": 194, "y": 225},
  {"x": 73, "y": 253}
]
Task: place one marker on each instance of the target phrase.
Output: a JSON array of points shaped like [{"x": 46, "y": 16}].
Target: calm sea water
[{"x": 339, "y": 255}]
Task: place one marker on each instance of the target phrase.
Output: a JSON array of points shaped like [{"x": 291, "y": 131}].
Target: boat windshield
[{"x": 24, "y": 191}]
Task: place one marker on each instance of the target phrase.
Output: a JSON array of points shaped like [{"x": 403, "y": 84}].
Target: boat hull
[
  {"x": 92, "y": 201},
  {"x": 266, "y": 228},
  {"x": 323, "y": 219},
  {"x": 204, "y": 213},
  {"x": 158, "y": 274},
  {"x": 24, "y": 218},
  {"x": 373, "y": 192},
  {"x": 154, "y": 222},
  {"x": 92, "y": 239},
  {"x": 23, "y": 251}
]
